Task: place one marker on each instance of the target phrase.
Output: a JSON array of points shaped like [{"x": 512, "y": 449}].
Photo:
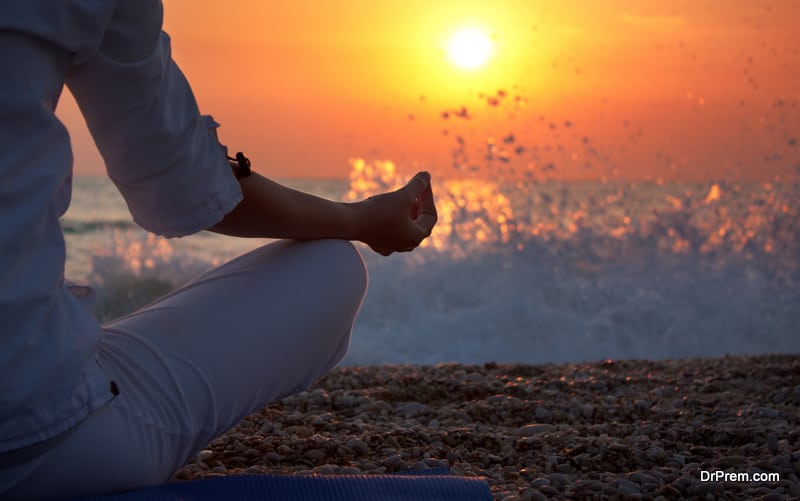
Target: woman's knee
[
  {"x": 346, "y": 258},
  {"x": 327, "y": 264}
]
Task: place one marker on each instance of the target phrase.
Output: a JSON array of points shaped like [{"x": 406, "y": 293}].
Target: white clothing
[
  {"x": 158, "y": 150},
  {"x": 194, "y": 363},
  {"x": 188, "y": 366}
]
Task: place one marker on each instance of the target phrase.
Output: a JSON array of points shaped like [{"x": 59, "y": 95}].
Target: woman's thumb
[{"x": 419, "y": 183}]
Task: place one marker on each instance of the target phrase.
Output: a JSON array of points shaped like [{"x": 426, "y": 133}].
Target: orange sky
[{"x": 642, "y": 90}]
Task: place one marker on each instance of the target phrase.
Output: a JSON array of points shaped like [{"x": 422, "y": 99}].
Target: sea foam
[{"x": 540, "y": 272}]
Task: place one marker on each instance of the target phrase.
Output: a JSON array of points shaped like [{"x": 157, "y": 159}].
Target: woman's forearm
[
  {"x": 396, "y": 221},
  {"x": 271, "y": 210}
]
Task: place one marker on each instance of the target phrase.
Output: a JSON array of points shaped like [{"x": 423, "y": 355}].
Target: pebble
[
  {"x": 326, "y": 469},
  {"x": 345, "y": 401},
  {"x": 457, "y": 470},
  {"x": 703, "y": 488},
  {"x": 435, "y": 463},
  {"x": 184, "y": 474},
  {"x": 549, "y": 490},
  {"x": 772, "y": 443},
  {"x": 627, "y": 487},
  {"x": 540, "y": 482},
  {"x": 543, "y": 414},
  {"x": 767, "y": 412},
  {"x": 558, "y": 478},
  {"x": 412, "y": 409},
  {"x": 533, "y": 429},
  {"x": 357, "y": 446},
  {"x": 622, "y": 429},
  {"x": 392, "y": 461}
]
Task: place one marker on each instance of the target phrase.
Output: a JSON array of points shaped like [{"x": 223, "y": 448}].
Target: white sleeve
[
  {"x": 77, "y": 26},
  {"x": 159, "y": 151}
]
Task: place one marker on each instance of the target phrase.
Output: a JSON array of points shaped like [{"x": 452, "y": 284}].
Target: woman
[{"x": 90, "y": 409}]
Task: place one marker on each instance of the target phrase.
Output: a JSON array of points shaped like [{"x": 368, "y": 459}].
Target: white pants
[{"x": 195, "y": 362}]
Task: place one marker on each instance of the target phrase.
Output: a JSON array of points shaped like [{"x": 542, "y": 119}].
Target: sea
[{"x": 517, "y": 270}]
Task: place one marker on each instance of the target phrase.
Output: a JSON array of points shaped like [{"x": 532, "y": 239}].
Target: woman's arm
[{"x": 397, "y": 221}]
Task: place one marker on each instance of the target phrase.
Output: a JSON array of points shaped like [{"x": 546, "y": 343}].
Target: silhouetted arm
[{"x": 397, "y": 221}]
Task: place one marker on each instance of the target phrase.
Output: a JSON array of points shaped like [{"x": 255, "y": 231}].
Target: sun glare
[{"x": 470, "y": 48}]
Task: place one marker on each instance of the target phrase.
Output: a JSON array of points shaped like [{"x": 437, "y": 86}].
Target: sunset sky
[{"x": 641, "y": 90}]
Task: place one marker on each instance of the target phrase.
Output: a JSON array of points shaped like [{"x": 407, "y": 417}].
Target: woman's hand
[{"x": 400, "y": 220}]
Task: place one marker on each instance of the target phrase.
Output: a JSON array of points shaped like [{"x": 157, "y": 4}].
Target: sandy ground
[{"x": 606, "y": 430}]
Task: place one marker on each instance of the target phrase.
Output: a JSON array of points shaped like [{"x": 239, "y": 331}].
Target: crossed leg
[{"x": 192, "y": 364}]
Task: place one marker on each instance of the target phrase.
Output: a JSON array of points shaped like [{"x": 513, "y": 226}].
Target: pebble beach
[{"x": 604, "y": 430}]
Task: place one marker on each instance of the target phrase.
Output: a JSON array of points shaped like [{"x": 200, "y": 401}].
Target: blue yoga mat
[{"x": 416, "y": 487}]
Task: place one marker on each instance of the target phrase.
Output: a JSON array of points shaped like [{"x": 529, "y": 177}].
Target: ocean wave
[{"x": 551, "y": 272}]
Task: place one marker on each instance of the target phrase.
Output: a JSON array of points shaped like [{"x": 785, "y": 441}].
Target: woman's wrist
[{"x": 357, "y": 214}]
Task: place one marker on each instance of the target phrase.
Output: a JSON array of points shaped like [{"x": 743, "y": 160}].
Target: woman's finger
[
  {"x": 426, "y": 203},
  {"x": 418, "y": 184},
  {"x": 426, "y": 211},
  {"x": 426, "y": 222}
]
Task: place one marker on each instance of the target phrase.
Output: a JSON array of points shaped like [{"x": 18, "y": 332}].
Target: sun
[{"x": 470, "y": 48}]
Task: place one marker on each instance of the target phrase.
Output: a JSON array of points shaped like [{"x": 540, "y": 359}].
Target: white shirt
[{"x": 159, "y": 151}]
